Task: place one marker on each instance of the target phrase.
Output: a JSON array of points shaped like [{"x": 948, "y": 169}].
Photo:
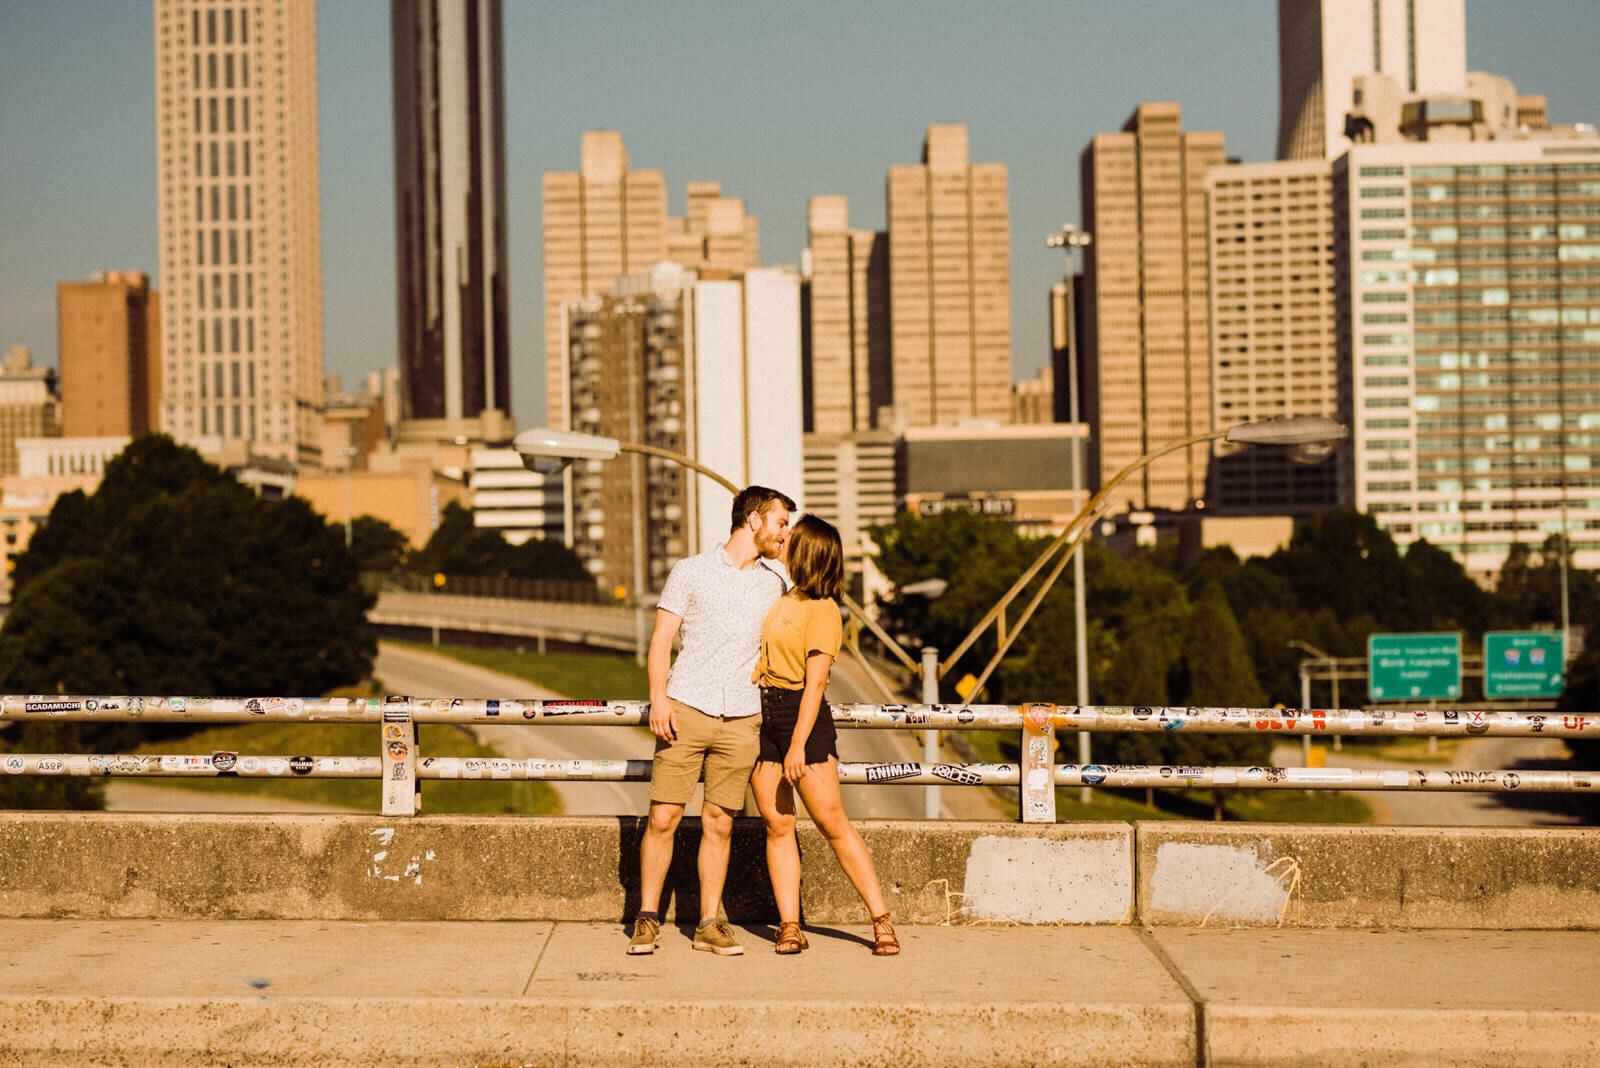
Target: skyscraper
[
  {"x": 847, "y": 338},
  {"x": 1323, "y": 45},
  {"x": 1273, "y": 344},
  {"x": 29, "y": 404},
  {"x": 1147, "y": 368},
  {"x": 949, "y": 285},
  {"x": 600, "y": 222},
  {"x": 1469, "y": 307},
  {"x": 709, "y": 368},
  {"x": 716, "y": 233},
  {"x": 241, "y": 251},
  {"x": 606, "y": 220},
  {"x": 109, "y": 331},
  {"x": 450, "y": 209}
]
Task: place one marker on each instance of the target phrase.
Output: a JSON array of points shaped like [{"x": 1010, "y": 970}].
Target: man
[{"x": 705, "y": 711}]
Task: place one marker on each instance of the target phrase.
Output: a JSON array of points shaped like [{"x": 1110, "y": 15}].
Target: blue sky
[{"x": 779, "y": 102}]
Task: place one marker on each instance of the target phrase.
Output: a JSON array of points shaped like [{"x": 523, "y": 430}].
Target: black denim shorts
[{"x": 779, "y": 709}]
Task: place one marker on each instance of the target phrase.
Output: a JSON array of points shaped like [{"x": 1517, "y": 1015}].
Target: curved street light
[
  {"x": 548, "y": 451},
  {"x": 1310, "y": 437},
  {"x": 1313, "y": 437}
]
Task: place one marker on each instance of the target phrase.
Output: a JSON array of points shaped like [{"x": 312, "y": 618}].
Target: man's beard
[{"x": 769, "y": 546}]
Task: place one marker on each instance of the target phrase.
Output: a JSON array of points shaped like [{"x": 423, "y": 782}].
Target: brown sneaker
[
  {"x": 717, "y": 938},
  {"x": 645, "y": 931}
]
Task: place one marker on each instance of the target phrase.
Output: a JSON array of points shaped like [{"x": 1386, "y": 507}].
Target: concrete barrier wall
[
  {"x": 347, "y": 867},
  {"x": 1227, "y": 875},
  {"x": 172, "y": 866}
]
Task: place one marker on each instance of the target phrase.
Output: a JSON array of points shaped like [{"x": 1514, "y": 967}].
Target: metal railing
[{"x": 401, "y": 767}]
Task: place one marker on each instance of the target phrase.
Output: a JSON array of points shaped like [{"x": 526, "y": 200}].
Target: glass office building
[{"x": 1468, "y": 291}]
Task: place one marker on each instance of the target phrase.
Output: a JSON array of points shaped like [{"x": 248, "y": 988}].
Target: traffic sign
[
  {"x": 1413, "y": 666},
  {"x": 1523, "y": 663}
]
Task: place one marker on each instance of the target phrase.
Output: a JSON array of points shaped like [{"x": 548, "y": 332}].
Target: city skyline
[{"x": 756, "y": 117}]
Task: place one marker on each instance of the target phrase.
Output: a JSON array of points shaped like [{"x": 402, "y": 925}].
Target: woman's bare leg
[
  {"x": 819, "y": 789},
  {"x": 775, "y": 799}
]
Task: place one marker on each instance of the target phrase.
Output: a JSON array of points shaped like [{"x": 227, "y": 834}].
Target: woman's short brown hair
[{"x": 816, "y": 558}]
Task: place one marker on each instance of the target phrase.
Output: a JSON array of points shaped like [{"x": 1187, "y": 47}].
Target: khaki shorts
[{"x": 724, "y": 748}]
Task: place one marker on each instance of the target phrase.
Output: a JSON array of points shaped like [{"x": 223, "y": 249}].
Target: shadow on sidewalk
[{"x": 747, "y": 895}]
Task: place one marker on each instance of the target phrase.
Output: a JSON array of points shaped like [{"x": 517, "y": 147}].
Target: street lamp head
[
  {"x": 1069, "y": 238},
  {"x": 547, "y": 451},
  {"x": 1306, "y": 438},
  {"x": 929, "y": 588}
]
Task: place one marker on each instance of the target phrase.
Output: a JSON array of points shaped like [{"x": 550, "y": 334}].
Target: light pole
[
  {"x": 1071, "y": 239},
  {"x": 548, "y": 451},
  {"x": 1309, "y": 437},
  {"x": 349, "y": 452},
  {"x": 1305, "y": 687}
]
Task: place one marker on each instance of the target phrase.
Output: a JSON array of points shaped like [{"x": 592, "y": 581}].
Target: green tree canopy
[
  {"x": 458, "y": 547},
  {"x": 376, "y": 545},
  {"x": 172, "y": 578},
  {"x": 979, "y": 558}
]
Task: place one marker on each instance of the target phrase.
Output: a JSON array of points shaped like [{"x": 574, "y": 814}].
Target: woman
[{"x": 799, "y": 747}]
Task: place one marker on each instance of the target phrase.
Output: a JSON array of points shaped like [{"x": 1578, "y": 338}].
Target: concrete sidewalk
[{"x": 295, "y": 992}]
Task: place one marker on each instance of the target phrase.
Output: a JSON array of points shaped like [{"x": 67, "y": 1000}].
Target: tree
[
  {"x": 1342, "y": 560},
  {"x": 1216, "y": 672},
  {"x": 979, "y": 557},
  {"x": 174, "y": 579},
  {"x": 1528, "y": 591},
  {"x": 458, "y": 547},
  {"x": 1439, "y": 594},
  {"x": 1136, "y": 616},
  {"x": 376, "y": 545},
  {"x": 1582, "y": 697},
  {"x": 546, "y": 560}
]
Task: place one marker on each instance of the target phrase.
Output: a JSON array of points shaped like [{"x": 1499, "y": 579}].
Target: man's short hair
[{"x": 756, "y": 499}]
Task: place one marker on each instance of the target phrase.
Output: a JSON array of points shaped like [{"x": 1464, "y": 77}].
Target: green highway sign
[
  {"x": 1523, "y": 663},
  {"x": 1404, "y": 667}
]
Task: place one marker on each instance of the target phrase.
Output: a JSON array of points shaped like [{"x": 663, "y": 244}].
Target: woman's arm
[{"x": 818, "y": 664}]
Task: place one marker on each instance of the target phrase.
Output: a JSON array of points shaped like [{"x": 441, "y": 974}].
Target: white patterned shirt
[{"x": 722, "y": 608}]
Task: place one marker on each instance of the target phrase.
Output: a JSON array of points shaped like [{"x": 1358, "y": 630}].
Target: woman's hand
[{"x": 794, "y": 764}]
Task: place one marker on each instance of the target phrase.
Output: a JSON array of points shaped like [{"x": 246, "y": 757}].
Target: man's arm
[{"x": 663, "y": 721}]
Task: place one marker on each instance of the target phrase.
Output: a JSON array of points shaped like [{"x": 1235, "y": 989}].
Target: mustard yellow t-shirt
[{"x": 796, "y": 627}]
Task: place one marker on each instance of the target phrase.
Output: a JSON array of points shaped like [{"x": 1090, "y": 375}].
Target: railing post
[
  {"x": 1038, "y": 786},
  {"x": 930, "y": 738},
  {"x": 401, "y": 796}
]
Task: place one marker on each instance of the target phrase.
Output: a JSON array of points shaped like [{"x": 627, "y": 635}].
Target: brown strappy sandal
[
  {"x": 790, "y": 938},
  {"x": 884, "y": 943}
]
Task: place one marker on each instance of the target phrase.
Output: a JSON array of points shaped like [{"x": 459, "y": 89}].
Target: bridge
[
  {"x": 369, "y": 939},
  {"x": 598, "y": 626}
]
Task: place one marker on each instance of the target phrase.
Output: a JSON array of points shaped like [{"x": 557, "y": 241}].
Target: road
[
  {"x": 1430, "y": 809},
  {"x": 416, "y": 673},
  {"x": 849, "y": 683},
  {"x": 422, "y": 674}
]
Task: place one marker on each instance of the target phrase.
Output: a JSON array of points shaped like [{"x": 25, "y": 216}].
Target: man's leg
[
  {"x": 729, "y": 760},
  {"x": 655, "y": 853},
  {"x": 655, "y": 857},
  {"x": 716, "y": 835},
  {"x": 673, "y": 774}
]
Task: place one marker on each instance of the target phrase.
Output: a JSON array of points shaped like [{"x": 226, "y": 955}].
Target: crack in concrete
[{"x": 1202, "y": 1051}]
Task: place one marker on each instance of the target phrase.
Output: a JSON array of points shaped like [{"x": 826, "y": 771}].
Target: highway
[{"x": 417, "y": 673}]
